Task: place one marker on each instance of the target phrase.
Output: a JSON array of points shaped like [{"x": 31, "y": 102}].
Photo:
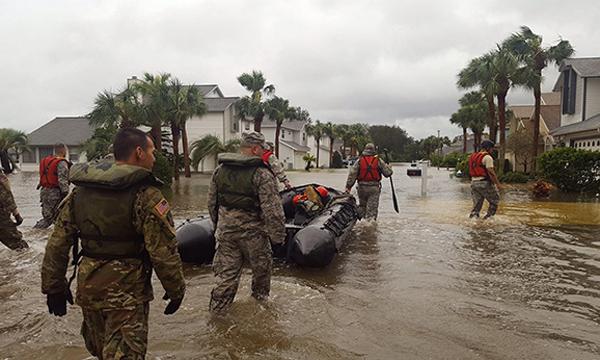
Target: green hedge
[
  {"x": 450, "y": 160},
  {"x": 572, "y": 170},
  {"x": 514, "y": 177}
]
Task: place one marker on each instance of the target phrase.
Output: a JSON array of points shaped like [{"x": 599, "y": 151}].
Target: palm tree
[
  {"x": 308, "y": 158},
  {"x": 479, "y": 73},
  {"x": 279, "y": 109},
  {"x": 116, "y": 110},
  {"x": 154, "y": 90},
  {"x": 343, "y": 133},
  {"x": 11, "y": 139},
  {"x": 528, "y": 47},
  {"x": 330, "y": 130},
  {"x": 359, "y": 137},
  {"x": 316, "y": 131},
  {"x": 253, "y": 105},
  {"x": 460, "y": 119},
  {"x": 184, "y": 102},
  {"x": 211, "y": 145}
]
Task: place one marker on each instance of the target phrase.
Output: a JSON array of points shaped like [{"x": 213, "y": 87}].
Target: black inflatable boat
[{"x": 311, "y": 241}]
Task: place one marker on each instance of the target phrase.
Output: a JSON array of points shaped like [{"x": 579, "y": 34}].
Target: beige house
[{"x": 579, "y": 84}]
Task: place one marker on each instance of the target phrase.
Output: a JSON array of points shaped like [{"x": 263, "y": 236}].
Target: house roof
[
  {"x": 551, "y": 98},
  {"x": 592, "y": 123},
  {"x": 584, "y": 67},
  {"x": 206, "y": 88},
  {"x": 70, "y": 131},
  {"x": 551, "y": 116},
  {"x": 219, "y": 104},
  {"x": 294, "y": 145},
  {"x": 290, "y": 125},
  {"x": 522, "y": 111}
]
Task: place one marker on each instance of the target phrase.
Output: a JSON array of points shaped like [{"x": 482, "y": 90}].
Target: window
[
  {"x": 303, "y": 136},
  {"x": 283, "y": 134},
  {"x": 28, "y": 156},
  {"x": 45, "y": 151},
  {"x": 568, "y": 91}
]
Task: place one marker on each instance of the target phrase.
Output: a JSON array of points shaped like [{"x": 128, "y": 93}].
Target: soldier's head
[
  {"x": 270, "y": 146},
  {"x": 134, "y": 147},
  {"x": 253, "y": 144},
  {"x": 488, "y": 145},
  {"x": 369, "y": 149},
  {"x": 60, "y": 150}
]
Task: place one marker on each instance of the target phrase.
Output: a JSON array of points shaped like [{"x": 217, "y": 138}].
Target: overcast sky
[{"x": 379, "y": 62}]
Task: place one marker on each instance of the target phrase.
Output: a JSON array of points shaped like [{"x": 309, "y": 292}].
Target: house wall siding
[
  {"x": 567, "y": 119},
  {"x": 210, "y": 123},
  {"x": 592, "y": 107}
]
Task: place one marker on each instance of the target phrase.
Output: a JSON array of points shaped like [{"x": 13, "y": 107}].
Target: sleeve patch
[{"x": 162, "y": 207}]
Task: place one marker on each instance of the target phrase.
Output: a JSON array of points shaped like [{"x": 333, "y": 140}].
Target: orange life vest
[
  {"x": 369, "y": 168},
  {"x": 476, "y": 167},
  {"x": 266, "y": 155},
  {"x": 49, "y": 171}
]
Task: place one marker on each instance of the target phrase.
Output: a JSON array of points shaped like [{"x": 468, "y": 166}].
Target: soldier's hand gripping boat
[{"x": 316, "y": 228}]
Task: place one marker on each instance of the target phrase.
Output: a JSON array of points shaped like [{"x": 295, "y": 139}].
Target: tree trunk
[
  {"x": 156, "y": 136},
  {"x": 186, "y": 152},
  {"x": 258, "y": 122},
  {"x": 175, "y": 135},
  {"x": 502, "y": 130},
  {"x": 277, "y": 133},
  {"x": 318, "y": 146},
  {"x": 464, "y": 140},
  {"x": 492, "y": 117},
  {"x": 331, "y": 140},
  {"x": 537, "y": 94}
]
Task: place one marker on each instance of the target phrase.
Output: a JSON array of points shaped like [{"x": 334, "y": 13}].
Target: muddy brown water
[{"x": 427, "y": 283}]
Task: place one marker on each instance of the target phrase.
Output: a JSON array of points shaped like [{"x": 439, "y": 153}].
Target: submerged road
[{"x": 427, "y": 283}]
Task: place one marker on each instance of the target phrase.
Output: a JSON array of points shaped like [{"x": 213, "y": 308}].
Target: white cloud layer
[{"x": 384, "y": 62}]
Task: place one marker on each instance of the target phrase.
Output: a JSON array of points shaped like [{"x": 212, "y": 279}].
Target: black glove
[
  {"x": 57, "y": 303},
  {"x": 18, "y": 219},
  {"x": 173, "y": 305}
]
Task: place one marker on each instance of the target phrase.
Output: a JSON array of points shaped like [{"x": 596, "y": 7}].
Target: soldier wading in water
[
  {"x": 368, "y": 171},
  {"x": 484, "y": 182},
  {"x": 126, "y": 230},
  {"x": 245, "y": 207}
]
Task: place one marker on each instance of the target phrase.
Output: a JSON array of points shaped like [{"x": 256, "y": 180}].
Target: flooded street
[{"x": 427, "y": 283}]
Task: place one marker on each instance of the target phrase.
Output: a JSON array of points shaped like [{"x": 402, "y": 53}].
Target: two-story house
[{"x": 579, "y": 84}]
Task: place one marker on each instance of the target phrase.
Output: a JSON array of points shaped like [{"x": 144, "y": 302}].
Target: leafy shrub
[
  {"x": 450, "y": 160},
  {"x": 572, "y": 169},
  {"x": 163, "y": 168},
  {"x": 336, "y": 161},
  {"x": 514, "y": 177}
]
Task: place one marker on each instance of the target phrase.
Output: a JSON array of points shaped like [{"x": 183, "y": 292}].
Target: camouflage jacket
[
  {"x": 384, "y": 169},
  {"x": 63, "y": 177},
  {"x": 113, "y": 284},
  {"x": 7, "y": 201},
  {"x": 277, "y": 168},
  {"x": 269, "y": 220}
]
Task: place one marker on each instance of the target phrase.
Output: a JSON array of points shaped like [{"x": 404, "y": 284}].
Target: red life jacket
[
  {"x": 476, "y": 167},
  {"x": 369, "y": 168},
  {"x": 266, "y": 155},
  {"x": 49, "y": 171}
]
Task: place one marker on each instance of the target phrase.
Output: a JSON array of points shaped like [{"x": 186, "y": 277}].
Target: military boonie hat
[{"x": 252, "y": 139}]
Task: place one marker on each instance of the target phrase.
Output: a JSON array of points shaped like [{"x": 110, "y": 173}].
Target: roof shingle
[
  {"x": 592, "y": 123},
  {"x": 71, "y": 131}
]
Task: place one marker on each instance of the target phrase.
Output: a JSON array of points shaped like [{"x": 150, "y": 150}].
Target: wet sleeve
[
  {"x": 63, "y": 177},
  {"x": 385, "y": 168},
  {"x": 270, "y": 204},
  {"x": 56, "y": 257},
  {"x": 277, "y": 168},
  {"x": 154, "y": 219},
  {"x": 213, "y": 205},
  {"x": 6, "y": 197},
  {"x": 352, "y": 174}
]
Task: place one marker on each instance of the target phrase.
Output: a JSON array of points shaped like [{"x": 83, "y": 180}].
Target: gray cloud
[{"x": 385, "y": 62}]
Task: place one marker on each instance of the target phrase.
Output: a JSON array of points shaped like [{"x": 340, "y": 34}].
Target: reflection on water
[{"x": 427, "y": 283}]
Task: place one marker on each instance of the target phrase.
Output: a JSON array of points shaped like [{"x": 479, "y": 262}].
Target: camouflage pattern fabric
[
  {"x": 277, "y": 169},
  {"x": 484, "y": 190},
  {"x": 368, "y": 197},
  {"x": 9, "y": 235},
  {"x": 245, "y": 236},
  {"x": 50, "y": 198},
  {"x": 116, "y": 333}
]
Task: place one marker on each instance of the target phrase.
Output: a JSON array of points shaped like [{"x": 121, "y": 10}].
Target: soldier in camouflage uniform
[
  {"x": 9, "y": 235},
  {"x": 126, "y": 230},
  {"x": 246, "y": 208},
  {"x": 54, "y": 184},
  {"x": 275, "y": 166},
  {"x": 368, "y": 170}
]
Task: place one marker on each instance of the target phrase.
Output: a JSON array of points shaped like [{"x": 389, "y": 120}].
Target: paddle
[{"x": 387, "y": 159}]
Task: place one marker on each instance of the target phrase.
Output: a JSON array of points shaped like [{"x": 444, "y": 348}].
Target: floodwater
[{"x": 427, "y": 283}]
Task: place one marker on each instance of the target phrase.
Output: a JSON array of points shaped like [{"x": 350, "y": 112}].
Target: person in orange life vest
[
  {"x": 484, "y": 182},
  {"x": 368, "y": 171},
  {"x": 53, "y": 185},
  {"x": 272, "y": 161}
]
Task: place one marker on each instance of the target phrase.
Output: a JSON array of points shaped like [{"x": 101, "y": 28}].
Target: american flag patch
[{"x": 162, "y": 207}]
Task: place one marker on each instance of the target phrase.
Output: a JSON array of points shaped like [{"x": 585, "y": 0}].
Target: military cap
[
  {"x": 252, "y": 139},
  {"x": 370, "y": 146}
]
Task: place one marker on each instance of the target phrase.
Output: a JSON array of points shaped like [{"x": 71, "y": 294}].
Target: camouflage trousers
[
  {"x": 368, "y": 200},
  {"x": 10, "y": 236},
  {"x": 232, "y": 251},
  {"x": 50, "y": 198},
  {"x": 116, "y": 333},
  {"x": 484, "y": 190}
]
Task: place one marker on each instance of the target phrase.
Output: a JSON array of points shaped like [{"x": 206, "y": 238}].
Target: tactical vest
[
  {"x": 476, "y": 167},
  {"x": 49, "y": 171},
  {"x": 103, "y": 208},
  {"x": 369, "y": 168},
  {"x": 235, "y": 189}
]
